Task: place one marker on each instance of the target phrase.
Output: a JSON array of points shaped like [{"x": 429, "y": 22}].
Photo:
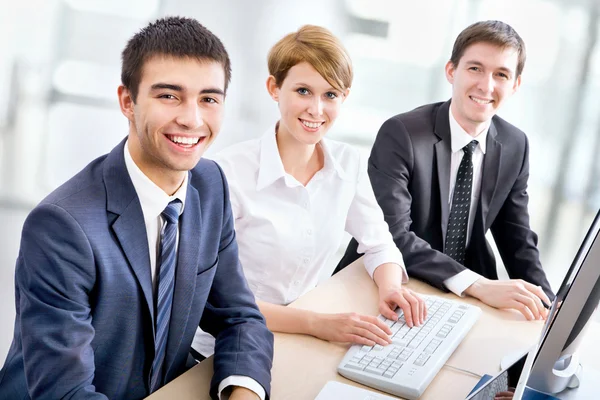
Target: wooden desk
[{"x": 303, "y": 364}]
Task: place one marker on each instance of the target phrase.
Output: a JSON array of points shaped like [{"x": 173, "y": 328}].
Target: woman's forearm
[{"x": 287, "y": 319}]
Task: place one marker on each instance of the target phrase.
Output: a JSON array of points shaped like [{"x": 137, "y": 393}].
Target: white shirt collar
[
  {"x": 271, "y": 167},
  {"x": 460, "y": 138},
  {"x": 152, "y": 198}
]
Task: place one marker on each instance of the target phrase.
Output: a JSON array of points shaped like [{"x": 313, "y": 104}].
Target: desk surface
[{"x": 303, "y": 364}]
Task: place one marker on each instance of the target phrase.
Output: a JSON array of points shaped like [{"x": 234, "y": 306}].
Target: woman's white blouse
[{"x": 288, "y": 234}]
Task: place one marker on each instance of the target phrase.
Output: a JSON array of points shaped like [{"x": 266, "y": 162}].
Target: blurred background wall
[{"x": 60, "y": 68}]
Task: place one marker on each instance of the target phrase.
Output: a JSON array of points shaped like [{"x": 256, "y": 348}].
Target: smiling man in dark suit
[
  {"x": 446, "y": 173},
  {"x": 119, "y": 265}
]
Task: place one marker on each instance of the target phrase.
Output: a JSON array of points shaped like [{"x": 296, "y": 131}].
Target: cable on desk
[{"x": 463, "y": 370}]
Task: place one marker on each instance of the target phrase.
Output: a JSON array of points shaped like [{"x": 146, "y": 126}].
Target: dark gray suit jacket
[
  {"x": 84, "y": 324},
  {"x": 409, "y": 168}
]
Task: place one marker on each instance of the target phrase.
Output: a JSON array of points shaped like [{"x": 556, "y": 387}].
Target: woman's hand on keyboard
[
  {"x": 413, "y": 306},
  {"x": 351, "y": 327}
]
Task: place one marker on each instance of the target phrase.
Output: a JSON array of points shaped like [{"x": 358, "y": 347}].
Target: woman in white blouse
[{"x": 294, "y": 193}]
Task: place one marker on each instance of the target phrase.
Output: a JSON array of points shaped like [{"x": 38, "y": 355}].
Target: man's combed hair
[
  {"x": 171, "y": 36},
  {"x": 494, "y": 32}
]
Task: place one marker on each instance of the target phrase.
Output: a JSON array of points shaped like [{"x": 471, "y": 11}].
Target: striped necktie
[{"x": 164, "y": 291}]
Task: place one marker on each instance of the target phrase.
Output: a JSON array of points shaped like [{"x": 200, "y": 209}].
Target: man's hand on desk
[
  {"x": 241, "y": 393},
  {"x": 514, "y": 293}
]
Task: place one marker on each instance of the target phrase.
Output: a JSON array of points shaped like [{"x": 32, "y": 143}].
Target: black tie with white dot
[{"x": 456, "y": 234}]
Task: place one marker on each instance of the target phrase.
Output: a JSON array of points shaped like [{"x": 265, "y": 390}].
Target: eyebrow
[
  {"x": 477, "y": 63},
  {"x": 179, "y": 88},
  {"x": 310, "y": 87}
]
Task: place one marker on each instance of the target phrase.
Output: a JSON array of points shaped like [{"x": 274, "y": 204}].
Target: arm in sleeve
[
  {"x": 244, "y": 345},
  {"x": 55, "y": 274},
  {"x": 390, "y": 167},
  {"x": 515, "y": 240},
  {"x": 366, "y": 224}
]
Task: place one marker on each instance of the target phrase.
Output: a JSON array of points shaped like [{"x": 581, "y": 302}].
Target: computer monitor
[{"x": 555, "y": 361}]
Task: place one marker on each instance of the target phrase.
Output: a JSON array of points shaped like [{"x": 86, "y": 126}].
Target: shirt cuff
[
  {"x": 243, "y": 381},
  {"x": 461, "y": 281},
  {"x": 374, "y": 260}
]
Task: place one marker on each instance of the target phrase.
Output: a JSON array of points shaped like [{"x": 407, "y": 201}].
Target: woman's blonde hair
[{"x": 316, "y": 46}]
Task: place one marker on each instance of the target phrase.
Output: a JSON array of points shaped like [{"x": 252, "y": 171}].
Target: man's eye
[
  {"x": 166, "y": 96},
  {"x": 209, "y": 100}
]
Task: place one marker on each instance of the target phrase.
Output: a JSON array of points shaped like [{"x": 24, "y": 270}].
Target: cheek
[
  {"x": 214, "y": 120},
  {"x": 333, "y": 110}
]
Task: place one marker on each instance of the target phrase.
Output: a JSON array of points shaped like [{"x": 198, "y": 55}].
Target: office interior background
[{"x": 60, "y": 68}]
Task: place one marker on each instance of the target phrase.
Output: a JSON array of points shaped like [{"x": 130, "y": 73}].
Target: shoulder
[
  {"x": 85, "y": 188},
  {"x": 419, "y": 122},
  {"x": 342, "y": 152},
  {"x": 348, "y": 157},
  {"x": 239, "y": 158},
  {"x": 508, "y": 134}
]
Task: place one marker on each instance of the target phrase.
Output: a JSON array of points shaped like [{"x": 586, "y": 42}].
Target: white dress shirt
[
  {"x": 153, "y": 201},
  {"x": 459, "y": 139},
  {"x": 288, "y": 234}
]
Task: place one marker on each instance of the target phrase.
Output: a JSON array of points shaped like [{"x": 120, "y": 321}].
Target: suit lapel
[
  {"x": 188, "y": 254},
  {"x": 443, "y": 152},
  {"x": 129, "y": 226},
  {"x": 489, "y": 175}
]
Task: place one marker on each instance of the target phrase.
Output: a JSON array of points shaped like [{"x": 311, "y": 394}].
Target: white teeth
[
  {"x": 311, "y": 124},
  {"x": 184, "y": 140},
  {"x": 479, "y": 101}
]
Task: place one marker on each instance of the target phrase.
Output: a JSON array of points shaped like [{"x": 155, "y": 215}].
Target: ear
[
  {"x": 517, "y": 84},
  {"x": 126, "y": 102},
  {"x": 450, "y": 69},
  {"x": 272, "y": 88},
  {"x": 346, "y": 94}
]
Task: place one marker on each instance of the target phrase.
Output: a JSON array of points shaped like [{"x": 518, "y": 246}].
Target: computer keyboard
[{"x": 407, "y": 366}]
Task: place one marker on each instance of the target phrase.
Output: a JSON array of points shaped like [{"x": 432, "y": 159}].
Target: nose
[
  {"x": 486, "y": 84},
  {"x": 316, "y": 107},
  {"x": 190, "y": 116}
]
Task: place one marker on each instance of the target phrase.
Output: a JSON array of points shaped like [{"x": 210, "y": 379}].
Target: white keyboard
[{"x": 407, "y": 366}]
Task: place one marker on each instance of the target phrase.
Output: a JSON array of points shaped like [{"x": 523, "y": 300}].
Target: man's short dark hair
[
  {"x": 171, "y": 36},
  {"x": 493, "y": 32}
]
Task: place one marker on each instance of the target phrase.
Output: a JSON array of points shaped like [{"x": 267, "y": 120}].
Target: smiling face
[
  {"x": 308, "y": 104},
  {"x": 176, "y": 116},
  {"x": 483, "y": 79}
]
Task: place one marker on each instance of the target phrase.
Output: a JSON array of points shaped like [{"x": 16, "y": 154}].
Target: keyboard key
[
  {"x": 421, "y": 360},
  {"x": 355, "y": 366},
  {"x": 389, "y": 374},
  {"x": 373, "y": 370}
]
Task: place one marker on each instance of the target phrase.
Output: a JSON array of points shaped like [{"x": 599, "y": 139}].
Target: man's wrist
[
  {"x": 475, "y": 289},
  {"x": 242, "y": 391}
]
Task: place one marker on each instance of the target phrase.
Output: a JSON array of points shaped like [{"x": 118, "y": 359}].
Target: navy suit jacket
[
  {"x": 84, "y": 304},
  {"x": 409, "y": 168}
]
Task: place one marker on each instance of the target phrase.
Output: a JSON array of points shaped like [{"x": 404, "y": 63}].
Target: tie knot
[
  {"x": 470, "y": 148},
  {"x": 171, "y": 211}
]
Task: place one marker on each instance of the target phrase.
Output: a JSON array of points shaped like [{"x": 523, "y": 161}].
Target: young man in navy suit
[
  {"x": 120, "y": 265},
  {"x": 446, "y": 173}
]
